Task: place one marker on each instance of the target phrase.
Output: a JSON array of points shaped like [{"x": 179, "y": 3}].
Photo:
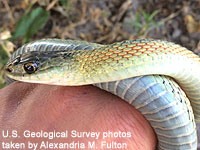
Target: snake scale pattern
[{"x": 160, "y": 79}]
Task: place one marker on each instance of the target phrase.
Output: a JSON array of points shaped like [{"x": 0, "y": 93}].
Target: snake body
[{"x": 145, "y": 73}]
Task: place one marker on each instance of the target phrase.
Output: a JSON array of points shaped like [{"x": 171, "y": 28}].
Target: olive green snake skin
[{"x": 142, "y": 72}]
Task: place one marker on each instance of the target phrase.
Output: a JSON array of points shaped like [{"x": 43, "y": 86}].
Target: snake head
[
  {"x": 22, "y": 65},
  {"x": 39, "y": 66}
]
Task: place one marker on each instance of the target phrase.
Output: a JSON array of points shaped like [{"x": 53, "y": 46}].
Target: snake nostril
[{"x": 9, "y": 68}]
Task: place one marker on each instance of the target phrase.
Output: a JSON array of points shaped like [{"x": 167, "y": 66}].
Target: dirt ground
[{"x": 108, "y": 21}]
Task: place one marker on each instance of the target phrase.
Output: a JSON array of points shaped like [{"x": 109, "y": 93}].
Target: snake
[{"x": 160, "y": 79}]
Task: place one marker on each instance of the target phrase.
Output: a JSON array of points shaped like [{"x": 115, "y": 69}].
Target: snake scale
[{"x": 146, "y": 73}]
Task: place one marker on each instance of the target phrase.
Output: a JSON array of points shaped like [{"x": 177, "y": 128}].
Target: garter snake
[{"x": 146, "y": 73}]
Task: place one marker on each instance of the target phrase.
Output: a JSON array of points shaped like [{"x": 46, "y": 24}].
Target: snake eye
[{"x": 30, "y": 67}]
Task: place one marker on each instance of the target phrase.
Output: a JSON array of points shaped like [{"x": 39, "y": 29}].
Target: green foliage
[
  {"x": 144, "y": 22},
  {"x": 3, "y": 61},
  {"x": 63, "y": 2},
  {"x": 3, "y": 57},
  {"x": 30, "y": 23},
  {"x": 2, "y": 84}
]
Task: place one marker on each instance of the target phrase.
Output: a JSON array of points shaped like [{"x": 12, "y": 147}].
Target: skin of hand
[{"x": 36, "y": 107}]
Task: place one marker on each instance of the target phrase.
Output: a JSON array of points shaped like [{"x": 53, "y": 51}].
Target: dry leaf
[
  {"x": 191, "y": 24},
  {"x": 4, "y": 43},
  {"x": 5, "y": 35}
]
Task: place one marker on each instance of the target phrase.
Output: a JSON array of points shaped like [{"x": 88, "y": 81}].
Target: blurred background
[{"x": 100, "y": 21}]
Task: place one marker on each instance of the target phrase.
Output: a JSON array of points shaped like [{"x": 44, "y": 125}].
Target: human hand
[{"x": 36, "y": 107}]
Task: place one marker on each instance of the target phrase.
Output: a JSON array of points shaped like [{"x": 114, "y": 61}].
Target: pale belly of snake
[{"x": 160, "y": 79}]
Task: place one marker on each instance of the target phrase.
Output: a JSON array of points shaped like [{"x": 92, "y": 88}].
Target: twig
[
  {"x": 127, "y": 4},
  {"x": 51, "y": 5},
  {"x": 173, "y": 15},
  {"x": 9, "y": 11}
]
